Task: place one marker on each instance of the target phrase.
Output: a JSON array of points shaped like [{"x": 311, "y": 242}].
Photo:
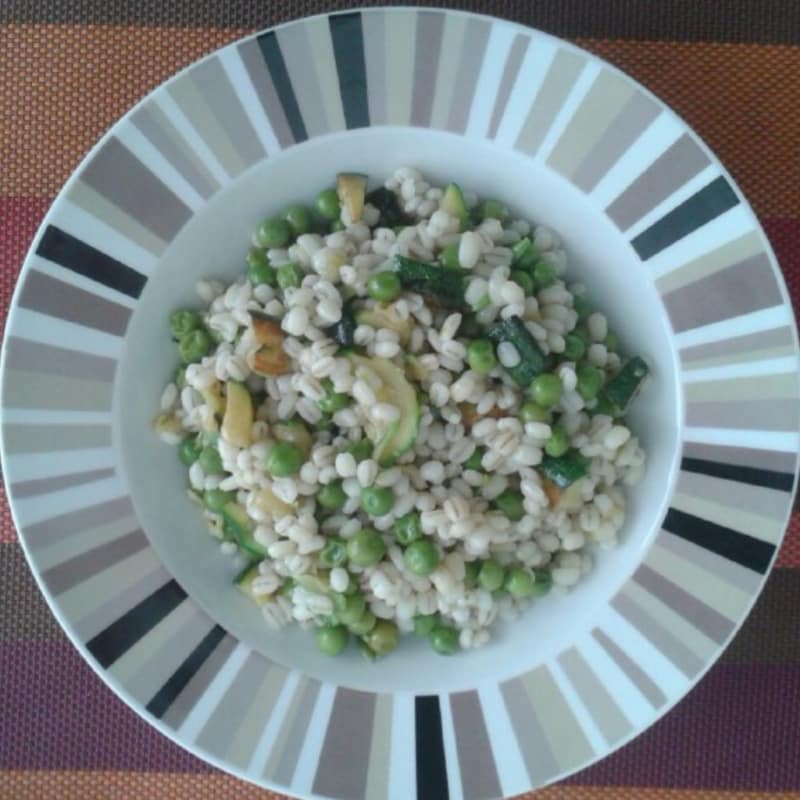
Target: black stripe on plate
[
  {"x": 431, "y": 766},
  {"x": 73, "y": 254},
  {"x": 726, "y": 542},
  {"x": 123, "y": 634},
  {"x": 176, "y": 682},
  {"x": 703, "y": 206},
  {"x": 782, "y": 481},
  {"x": 273, "y": 58},
  {"x": 348, "y": 49}
]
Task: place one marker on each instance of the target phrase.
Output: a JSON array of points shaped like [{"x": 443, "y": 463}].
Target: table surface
[{"x": 70, "y": 68}]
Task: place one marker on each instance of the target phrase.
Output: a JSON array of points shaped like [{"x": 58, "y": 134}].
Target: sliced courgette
[
  {"x": 454, "y": 204},
  {"x": 352, "y": 188},
  {"x": 385, "y": 200},
  {"x": 344, "y": 330},
  {"x": 532, "y": 361},
  {"x": 524, "y": 255},
  {"x": 237, "y": 424},
  {"x": 392, "y": 439},
  {"x": 244, "y": 583},
  {"x": 238, "y": 526},
  {"x": 441, "y": 286},
  {"x": 564, "y": 470},
  {"x": 622, "y": 388},
  {"x": 385, "y": 317}
]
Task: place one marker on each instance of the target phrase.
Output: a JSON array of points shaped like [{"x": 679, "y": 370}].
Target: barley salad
[{"x": 403, "y": 418}]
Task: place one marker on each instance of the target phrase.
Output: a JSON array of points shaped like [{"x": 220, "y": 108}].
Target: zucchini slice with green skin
[
  {"x": 344, "y": 330},
  {"x": 524, "y": 255},
  {"x": 622, "y": 388},
  {"x": 352, "y": 188},
  {"x": 395, "y": 438},
  {"x": 244, "y": 583},
  {"x": 238, "y": 524},
  {"x": 564, "y": 470},
  {"x": 441, "y": 285},
  {"x": 237, "y": 423},
  {"x": 454, "y": 204},
  {"x": 532, "y": 361},
  {"x": 385, "y": 317},
  {"x": 385, "y": 200}
]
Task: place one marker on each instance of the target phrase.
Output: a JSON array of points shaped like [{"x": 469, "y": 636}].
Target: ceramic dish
[{"x": 655, "y": 227}]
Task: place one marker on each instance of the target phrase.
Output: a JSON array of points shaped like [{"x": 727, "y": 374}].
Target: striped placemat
[{"x": 70, "y": 68}]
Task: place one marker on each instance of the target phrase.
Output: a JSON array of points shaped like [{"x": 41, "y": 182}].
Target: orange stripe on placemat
[
  {"x": 64, "y": 85},
  {"x": 789, "y": 555},
  {"x": 742, "y": 100}
]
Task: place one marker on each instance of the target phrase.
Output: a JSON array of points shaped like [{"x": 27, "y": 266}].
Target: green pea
[
  {"x": 289, "y": 275},
  {"x": 284, "y": 458},
  {"x": 333, "y": 401},
  {"x": 519, "y": 582},
  {"x": 590, "y": 381},
  {"x": 193, "y": 346},
  {"x": 336, "y": 226},
  {"x": 210, "y": 461},
  {"x": 574, "y": 347},
  {"x": 184, "y": 321},
  {"x": 532, "y": 412},
  {"x": 444, "y": 640},
  {"x": 425, "y": 623},
  {"x": 480, "y": 356},
  {"x": 542, "y": 582},
  {"x": 491, "y": 576},
  {"x": 216, "y": 499},
  {"x": 364, "y": 624},
  {"x": 366, "y": 548},
  {"x": 349, "y": 607},
  {"x": 611, "y": 342},
  {"x": 273, "y": 233},
  {"x": 582, "y": 306},
  {"x": 383, "y": 638},
  {"x": 474, "y": 461},
  {"x": 558, "y": 442},
  {"x": 334, "y": 553},
  {"x": 377, "y": 500},
  {"x": 421, "y": 557},
  {"x": 546, "y": 389},
  {"x": 384, "y": 286},
  {"x": 259, "y": 269},
  {"x": 331, "y": 639},
  {"x": 299, "y": 219},
  {"x": 360, "y": 450},
  {"x": 331, "y": 496},
  {"x": 328, "y": 204},
  {"x": 493, "y": 209},
  {"x": 407, "y": 528},
  {"x": 188, "y": 451},
  {"x": 449, "y": 257},
  {"x": 544, "y": 274},
  {"x": 524, "y": 280},
  {"x": 472, "y": 570},
  {"x": 511, "y": 504}
]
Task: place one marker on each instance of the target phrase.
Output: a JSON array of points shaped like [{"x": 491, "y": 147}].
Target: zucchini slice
[
  {"x": 440, "y": 285},
  {"x": 532, "y": 360},
  {"x": 237, "y": 424},
  {"x": 352, "y": 188}
]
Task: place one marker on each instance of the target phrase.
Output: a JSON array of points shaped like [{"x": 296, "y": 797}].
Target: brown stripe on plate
[
  {"x": 765, "y": 415},
  {"x": 605, "y": 99},
  {"x": 613, "y": 724},
  {"x": 100, "y": 208},
  {"x": 637, "y": 675},
  {"x": 758, "y": 346},
  {"x": 342, "y": 768},
  {"x": 706, "y": 619},
  {"x": 680, "y": 162},
  {"x": 473, "y": 50},
  {"x": 534, "y": 746},
  {"x": 25, "y": 354},
  {"x": 187, "y": 699},
  {"x": 782, "y": 385},
  {"x": 39, "y": 486},
  {"x": 558, "y": 82},
  {"x": 374, "y": 25},
  {"x": 664, "y": 641},
  {"x": 121, "y": 178},
  {"x": 55, "y": 298},
  {"x": 428, "y": 45},
  {"x": 633, "y": 119},
  {"x": 514, "y": 59},
  {"x": 34, "y": 390},
  {"x": 54, "y": 438},
  {"x": 741, "y": 496},
  {"x": 741, "y": 456},
  {"x": 748, "y": 286},
  {"x": 446, "y": 69},
  {"x": 289, "y": 742},
  {"x": 157, "y": 128},
  {"x": 75, "y": 570},
  {"x": 380, "y": 749},
  {"x": 479, "y": 778},
  {"x": 65, "y": 525},
  {"x": 253, "y": 61}
]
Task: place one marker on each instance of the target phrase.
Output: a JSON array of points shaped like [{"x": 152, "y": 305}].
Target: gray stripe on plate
[
  {"x": 744, "y": 496},
  {"x": 54, "y": 438},
  {"x": 751, "y": 343},
  {"x": 516, "y": 54},
  {"x": 779, "y": 414},
  {"x": 31, "y": 356},
  {"x": 479, "y": 778},
  {"x": 430, "y": 27},
  {"x": 374, "y": 25},
  {"x": 741, "y": 456},
  {"x": 39, "y": 486},
  {"x": 37, "y": 390},
  {"x": 473, "y": 50}
]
